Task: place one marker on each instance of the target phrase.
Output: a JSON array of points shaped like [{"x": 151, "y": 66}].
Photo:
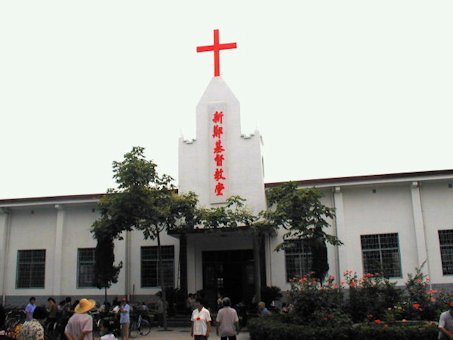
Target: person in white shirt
[
  {"x": 227, "y": 321},
  {"x": 201, "y": 322},
  {"x": 446, "y": 323}
]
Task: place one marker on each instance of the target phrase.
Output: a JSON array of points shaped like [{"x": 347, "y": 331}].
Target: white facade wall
[
  {"x": 437, "y": 203},
  {"x": 136, "y": 242},
  {"x": 62, "y": 227},
  {"x": 388, "y": 210}
]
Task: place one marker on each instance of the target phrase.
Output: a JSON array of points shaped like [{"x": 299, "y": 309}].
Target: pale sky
[{"x": 336, "y": 88}]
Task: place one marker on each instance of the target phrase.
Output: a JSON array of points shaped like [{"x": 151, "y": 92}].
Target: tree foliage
[
  {"x": 234, "y": 214},
  {"x": 105, "y": 270},
  {"x": 302, "y": 214},
  {"x": 143, "y": 201}
]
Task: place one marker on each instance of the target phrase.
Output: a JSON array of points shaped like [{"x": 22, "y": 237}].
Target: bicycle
[
  {"x": 14, "y": 318},
  {"x": 140, "y": 327}
]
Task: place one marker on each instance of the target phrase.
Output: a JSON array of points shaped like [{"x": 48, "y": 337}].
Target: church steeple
[{"x": 221, "y": 162}]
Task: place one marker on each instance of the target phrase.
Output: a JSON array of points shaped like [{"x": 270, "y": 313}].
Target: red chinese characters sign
[{"x": 218, "y": 153}]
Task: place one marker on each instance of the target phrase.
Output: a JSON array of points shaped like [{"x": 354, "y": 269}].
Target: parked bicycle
[
  {"x": 14, "y": 318},
  {"x": 139, "y": 326}
]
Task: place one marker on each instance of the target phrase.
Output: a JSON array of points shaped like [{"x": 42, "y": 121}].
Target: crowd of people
[
  {"x": 75, "y": 317},
  {"x": 78, "y": 324}
]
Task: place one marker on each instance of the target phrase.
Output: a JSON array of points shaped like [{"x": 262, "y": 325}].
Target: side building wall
[{"x": 415, "y": 211}]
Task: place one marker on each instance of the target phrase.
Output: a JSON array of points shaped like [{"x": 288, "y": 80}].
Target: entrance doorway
[{"x": 228, "y": 273}]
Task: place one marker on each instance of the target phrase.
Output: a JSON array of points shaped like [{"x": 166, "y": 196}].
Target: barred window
[
  {"x": 31, "y": 268},
  {"x": 85, "y": 267},
  {"x": 446, "y": 251},
  {"x": 381, "y": 255},
  {"x": 150, "y": 266},
  {"x": 297, "y": 257}
]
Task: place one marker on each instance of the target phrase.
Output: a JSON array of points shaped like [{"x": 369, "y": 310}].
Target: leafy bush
[
  {"x": 370, "y": 296},
  {"x": 277, "y": 328},
  {"x": 274, "y": 328},
  {"x": 313, "y": 303},
  {"x": 399, "y": 331}
]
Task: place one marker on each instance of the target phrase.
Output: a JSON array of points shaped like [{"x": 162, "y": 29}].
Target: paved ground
[{"x": 182, "y": 333}]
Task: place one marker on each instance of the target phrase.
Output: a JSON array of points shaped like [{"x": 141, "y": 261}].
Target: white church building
[{"x": 390, "y": 222}]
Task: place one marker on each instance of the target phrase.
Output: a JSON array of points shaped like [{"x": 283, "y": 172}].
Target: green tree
[
  {"x": 144, "y": 201},
  {"x": 105, "y": 271},
  {"x": 302, "y": 214}
]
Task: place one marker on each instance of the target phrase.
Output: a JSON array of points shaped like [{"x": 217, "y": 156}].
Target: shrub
[
  {"x": 274, "y": 328},
  {"x": 313, "y": 302},
  {"x": 422, "y": 302},
  {"x": 399, "y": 331},
  {"x": 277, "y": 328},
  {"x": 370, "y": 296}
]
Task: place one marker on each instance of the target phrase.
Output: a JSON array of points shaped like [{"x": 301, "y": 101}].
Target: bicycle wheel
[{"x": 144, "y": 328}]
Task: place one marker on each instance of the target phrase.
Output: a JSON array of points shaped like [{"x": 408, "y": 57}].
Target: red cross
[{"x": 216, "y": 48}]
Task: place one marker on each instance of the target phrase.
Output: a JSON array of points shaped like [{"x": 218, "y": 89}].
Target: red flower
[
  {"x": 416, "y": 306},
  {"x": 198, "y": 318},
  {"x": 377, "y": 321}
]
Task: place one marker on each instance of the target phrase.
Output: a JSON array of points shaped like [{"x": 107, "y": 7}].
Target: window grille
[
  {"x": 381, "y": 255},
  {"x": 150, "y": 266},
  {"x": 298, "y": 258},
  {"x": 85, "y": 267},
  {"x": 446, "y": 251},
  {"x": 31, "y": 268}
]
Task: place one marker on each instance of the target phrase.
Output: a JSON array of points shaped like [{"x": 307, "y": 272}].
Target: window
[
  {"x": 85, "y": 267},
  {"x": 297, "y": 257},
  {"x": 381, "y": 254},
  {"x": 31, "y": 268},
  {"x": 446, "y": 251},
  {"x": 150, "y": 266}
]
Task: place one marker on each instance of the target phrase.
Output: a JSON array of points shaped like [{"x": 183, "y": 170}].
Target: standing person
[
  {"x": 124, "y": 318},
  {"x": 80, "y": 325},
  {"x": 219, "y": 301},
  {"x": 33, "y": 329},
  {"x": 29, "y": 309},
  {"x": 227, "y": 321},
  {"x": 201, "y": 321},
  {"x": 52, "y": 308},
  {"x": 160, "y": 310},
  {"x": 189, "y": 303},
  {"x": 446, "y": 323}
]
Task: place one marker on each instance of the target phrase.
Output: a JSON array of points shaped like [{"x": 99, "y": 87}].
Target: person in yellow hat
[{"x": 80, "y": 325}]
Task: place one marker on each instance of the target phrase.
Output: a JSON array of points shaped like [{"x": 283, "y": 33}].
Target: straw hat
[{"x": 84, "y": 306}]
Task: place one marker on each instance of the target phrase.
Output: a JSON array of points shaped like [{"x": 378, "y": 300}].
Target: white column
[
  {"x": 191, "y": 265},
  {"x": 4, "y": 235},
  {"x": 419, "y": 226},
  {"x": 341, "y": 233},
  {"x": 127, "y": 264},
  {"x": 58, "y": 250}
]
